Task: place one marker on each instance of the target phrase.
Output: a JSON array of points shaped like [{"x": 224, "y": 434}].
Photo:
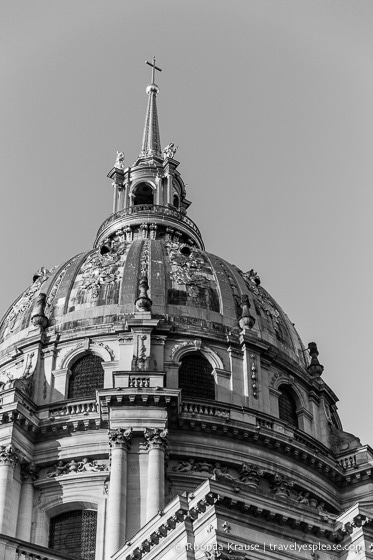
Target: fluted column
[
  {"x": 28, "y": 475},
  {"x": 8, "y": 460},
  {"x": 156, "y": 441},
  {"x": 116, "y": 516}
]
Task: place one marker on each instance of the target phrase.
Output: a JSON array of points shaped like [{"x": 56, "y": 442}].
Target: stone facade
[{"x": 164, "y": 389}]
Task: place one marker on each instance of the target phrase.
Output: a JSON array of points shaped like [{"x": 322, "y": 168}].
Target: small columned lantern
[{"x": 315, "y": 368}]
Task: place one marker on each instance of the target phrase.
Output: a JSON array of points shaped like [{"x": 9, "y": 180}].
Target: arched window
[
  {"x": 87, "y": 375},
  {"x": 195, "y": 377},
  {"x": 143, "y": 194},
  {"x": 74, "y": 534},
  {"x": 176, "y": 201},
  {"x": 287, "y": 407}
]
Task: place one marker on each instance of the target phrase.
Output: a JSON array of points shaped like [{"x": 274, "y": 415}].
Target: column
[
  {"x": 116, "y": 515},
  {"x": 121, "y": 198},
  {"x": 156, "y": 441},
  {"x": 115, "y": 197},
  {"x": 8, "y": 460},
  {"x": 28, "y": 475}
]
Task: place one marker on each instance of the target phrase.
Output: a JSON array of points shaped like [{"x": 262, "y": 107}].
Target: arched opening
[
  {"x": 73, "y": 533},
  {"x": 195, "y": 377},
  {"x": 143, "y": 194},
  {"x": 176, "y": 201},
  {"x": 287, "y": 406},
  {"x": 87, "y": 375}
]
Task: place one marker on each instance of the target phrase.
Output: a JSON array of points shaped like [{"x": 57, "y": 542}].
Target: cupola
[{"x": 151, "y": 194}]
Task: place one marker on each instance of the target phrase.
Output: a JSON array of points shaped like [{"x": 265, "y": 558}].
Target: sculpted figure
[
  {"x": 57, "y": 470},
  {"x": 119, "y": 162},
  {"x": 185, "y": 466},
  {"x": 303, "y": 498},
  {"x": 89, "y": 466},
  {"x": 170, "y": 150},
  {"x": 222, "y": 475}
]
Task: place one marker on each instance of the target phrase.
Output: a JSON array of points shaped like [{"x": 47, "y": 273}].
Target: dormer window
[{"x": 143, "y": 194}]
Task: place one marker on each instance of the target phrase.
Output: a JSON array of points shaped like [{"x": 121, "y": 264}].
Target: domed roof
[
  {"x": 187, "y": 286},
  {"x": 149, "y": 236}
]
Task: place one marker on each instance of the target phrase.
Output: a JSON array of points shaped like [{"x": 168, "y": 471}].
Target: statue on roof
[
  {"x": 119, "y": 162},
  {"x": 169, "y": 151}
]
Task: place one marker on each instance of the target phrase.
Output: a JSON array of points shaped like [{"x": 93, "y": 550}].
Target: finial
[
  {"x": 246, "y": 321},
  {"x": 143, "y": 302},
  {"x": 154, "y": 67},
  {"x": 315, "y": 368},
  {"x": 38, "y": 318}
]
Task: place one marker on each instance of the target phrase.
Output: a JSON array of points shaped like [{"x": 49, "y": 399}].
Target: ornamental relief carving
[
  {"x": 54, "y": 290},
  {"x": 99, "y": 270},
  {"x": 251, "y": 476},
  {"x": 72, "y": 467},
  {"x": 27, "y": 298},
  {"x": 100, "y": 347},
  {"x": 252, "y": 281},
  {"x": 186, "y": 266}
]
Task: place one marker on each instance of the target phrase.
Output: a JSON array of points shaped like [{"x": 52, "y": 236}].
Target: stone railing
[
  {"x": 73, "y": 408},
  {"x": 348, "y": 462},
  {"x": 149, "y": 209},
  {"x": 205, "y": 409},
  {"x": 15, "y": 549},
  {"x": 361, "y": 457}
]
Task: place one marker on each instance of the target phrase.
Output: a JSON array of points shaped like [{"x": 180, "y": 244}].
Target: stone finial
[
  {"x": 315, "y": 368},
  {"x": 143, "y": 302},
  {"x": 120, "y": 437},
  {"x": 155, "y": 437},
  {"x": 119, "y": 162},
  {"x": 38, "y": 317},
  {"x": 247, "y": 321}
]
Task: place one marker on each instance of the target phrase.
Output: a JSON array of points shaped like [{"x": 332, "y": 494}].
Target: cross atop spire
[
  {"x": 151, "y": 143},
  {"x": 154, "y": 67}
]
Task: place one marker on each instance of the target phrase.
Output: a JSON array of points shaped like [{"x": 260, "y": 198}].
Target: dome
[
  {"x": 188, "y": 286},
  {"x": 147, "y": 378}
]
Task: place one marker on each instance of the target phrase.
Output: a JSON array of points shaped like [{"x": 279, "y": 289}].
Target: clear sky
[{"x": 271, "y": 104}]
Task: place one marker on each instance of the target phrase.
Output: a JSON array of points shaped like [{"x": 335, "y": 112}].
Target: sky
[{"x": 271, "y": 105}]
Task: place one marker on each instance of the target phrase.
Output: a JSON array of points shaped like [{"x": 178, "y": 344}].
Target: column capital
[
  {"x": 8, "y": 455},
  {"x": 120, "y": 438},
  {"x": 156, "y": 438},
  {"x": 29, "y": 472}
]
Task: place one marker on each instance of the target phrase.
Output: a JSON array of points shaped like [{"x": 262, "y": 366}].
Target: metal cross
[{"x": 154, "y": 67}]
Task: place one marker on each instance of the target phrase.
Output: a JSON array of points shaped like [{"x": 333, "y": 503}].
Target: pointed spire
[{"x": 151, "y": 142}]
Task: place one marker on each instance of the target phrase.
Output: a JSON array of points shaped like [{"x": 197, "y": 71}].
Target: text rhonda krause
[{"x": 294, "y": 546}]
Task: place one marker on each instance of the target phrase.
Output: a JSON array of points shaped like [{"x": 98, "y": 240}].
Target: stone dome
[{"x": 188, "y": 286}]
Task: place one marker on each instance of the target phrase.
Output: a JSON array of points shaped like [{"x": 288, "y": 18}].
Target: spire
[{"x": 151, "y": 143}]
